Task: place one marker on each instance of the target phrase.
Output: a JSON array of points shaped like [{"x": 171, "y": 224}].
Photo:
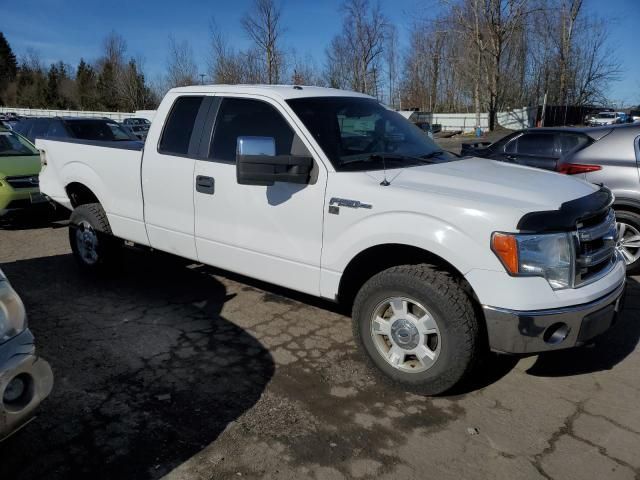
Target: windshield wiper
[
  {"x": 384, "y": 157},
  {"x": 435, "y": 153}
]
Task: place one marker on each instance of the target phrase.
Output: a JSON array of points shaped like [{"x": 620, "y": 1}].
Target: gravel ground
[{"x": 167, "y": 369}]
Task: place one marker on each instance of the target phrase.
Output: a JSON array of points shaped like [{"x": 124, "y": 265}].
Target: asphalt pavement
[{"x": 170, "y": 369}]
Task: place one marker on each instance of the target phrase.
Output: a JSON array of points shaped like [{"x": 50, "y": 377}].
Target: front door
[
  {"x": 272, "y": 233},
  {"x": 167, "y": 177}
]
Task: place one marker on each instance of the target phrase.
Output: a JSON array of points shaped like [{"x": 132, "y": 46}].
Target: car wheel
[
  {"x": 417, "y": 326},
  {"x": 92, "y": 243},
  {"x": 628, "y": 226}
]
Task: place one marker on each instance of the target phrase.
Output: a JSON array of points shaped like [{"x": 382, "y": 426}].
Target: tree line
[{"x": 472, "y": 55}]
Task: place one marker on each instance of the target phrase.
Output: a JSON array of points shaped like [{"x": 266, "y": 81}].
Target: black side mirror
[{"x": 266, "y": 169}]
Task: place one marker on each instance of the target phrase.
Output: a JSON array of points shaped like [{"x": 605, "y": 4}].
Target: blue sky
[{"x": 69, "y": 29}]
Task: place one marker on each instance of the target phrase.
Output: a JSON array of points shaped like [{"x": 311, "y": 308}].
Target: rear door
[
  {"x": 168, "y": 175},
  {"x": 273, "y": 233},
  {"x": 533, "y": 149}
]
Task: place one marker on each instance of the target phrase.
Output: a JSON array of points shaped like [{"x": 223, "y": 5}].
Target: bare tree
[
  {"x": 262, "y": 24},
  {"x": 225, "y": 64},
  {"x": 181, "y": 67},
  {"x": 392, "y": 58},
  {"x": 354, "y": 56}
]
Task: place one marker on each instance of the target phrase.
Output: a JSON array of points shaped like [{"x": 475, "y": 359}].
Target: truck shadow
[
  {"x": 42, "y": 217},
  {"x": 147, "y": 370},
  {"x": 605, "y": 352}
]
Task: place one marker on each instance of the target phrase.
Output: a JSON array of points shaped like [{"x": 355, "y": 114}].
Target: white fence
[
  {"x": 513, "y": 119},
  {"x": 40, "y": 112}
]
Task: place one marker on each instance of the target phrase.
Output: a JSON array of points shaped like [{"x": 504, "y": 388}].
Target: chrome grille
[
  {"x": 595, "y": 249},
  {"x": 24, "y": 181}
]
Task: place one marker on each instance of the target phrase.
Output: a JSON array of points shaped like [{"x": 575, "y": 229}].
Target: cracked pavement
[{"x": 168, "y": 369}]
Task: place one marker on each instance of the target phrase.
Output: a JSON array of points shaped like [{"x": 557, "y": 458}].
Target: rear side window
[
  {"x": 23, "y": 127},
  {"x": 56, "y": 129},
  {"x": 540, "y": 144},
  {"x": 179, "y": 126},
  {"x": 239, "y": 117},
  {"x": 568, "y": 143},
  {"x": 39, "y": 129}
]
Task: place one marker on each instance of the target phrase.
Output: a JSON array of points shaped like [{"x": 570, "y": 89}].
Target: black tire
[
  {"x": 631, "y": 219},
  {"x": 446, "y": 301},
  {"x": 92, "y": 218}
]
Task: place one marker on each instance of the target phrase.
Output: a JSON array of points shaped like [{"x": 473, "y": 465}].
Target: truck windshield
[
  {"x": 11, "y": 145},
  {"x": 361, "y": 134}
]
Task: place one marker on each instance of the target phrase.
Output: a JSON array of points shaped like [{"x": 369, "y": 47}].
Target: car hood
[
  {"x": 488, "y": 181},
  {"x": 19, "y": 165}
]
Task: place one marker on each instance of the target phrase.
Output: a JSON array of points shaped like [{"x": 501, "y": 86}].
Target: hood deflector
[{"x": 569, "y": 215}]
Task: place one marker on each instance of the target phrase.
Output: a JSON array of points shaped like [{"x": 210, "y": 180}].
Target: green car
[{"x": 19, "y": 169}]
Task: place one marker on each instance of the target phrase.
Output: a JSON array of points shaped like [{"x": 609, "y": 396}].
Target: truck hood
[
  {"x": 490, "y": 182},
  {"x": 19, "y": 165}
]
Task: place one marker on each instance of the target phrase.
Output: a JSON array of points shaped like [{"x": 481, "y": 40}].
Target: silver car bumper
[
  {"x": 529, "y": 332},
  {"x": 25, "y": 380}
]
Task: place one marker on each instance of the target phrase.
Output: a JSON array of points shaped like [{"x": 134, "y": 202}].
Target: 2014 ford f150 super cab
[{"x": 330, "y": 193}]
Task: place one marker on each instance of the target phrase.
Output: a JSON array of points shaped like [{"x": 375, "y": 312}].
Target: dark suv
[{"x": 98, "y": 129}]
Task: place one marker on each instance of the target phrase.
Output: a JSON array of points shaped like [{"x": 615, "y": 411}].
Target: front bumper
[
  {"x": 530, "y": 332},
  {"x": 12, "y": 200},
  {"x": 18, "y": 359}
]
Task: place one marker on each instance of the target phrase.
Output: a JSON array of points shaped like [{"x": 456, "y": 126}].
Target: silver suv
[{"x": 614, "y": 160}]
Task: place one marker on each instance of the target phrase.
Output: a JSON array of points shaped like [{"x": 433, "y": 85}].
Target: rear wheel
[
  {"x": 90, "y": 236},
  {"x": 418, "y": 327},
  {"x": 628, "y": 226}
]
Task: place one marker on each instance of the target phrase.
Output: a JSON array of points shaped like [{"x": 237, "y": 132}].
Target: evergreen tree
[
  {"x": 53, "y": 85},
  {"x": 86, "y": 86},
  {"x": 8, "y": 66},
  {"x": 107, "y": 88}
]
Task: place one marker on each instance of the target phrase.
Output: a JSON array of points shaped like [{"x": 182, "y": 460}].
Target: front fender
[{"x": 464, "y": 250}]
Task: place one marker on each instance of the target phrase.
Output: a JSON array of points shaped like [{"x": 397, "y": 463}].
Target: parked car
[
  {"x": 330, "y": 193},
  {"x": 19, "y": 168},
  {"x": 613, "y": 161},
  {"x": 607, "y": 155},
  {"x": 96, "y": 129},
  {"x": 25, "y": 379},
  {"x": 606, "y": 118},
  {"x": 142, "y": 122},
  {"x": 634, "y": 115},
  {"x": 138, "y": 126}
]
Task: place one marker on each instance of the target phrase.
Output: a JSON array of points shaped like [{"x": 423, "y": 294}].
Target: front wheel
[
  {"x": 92, "y": 243},
  {"x": 628, "y": 226},
  {"x": 418, "y": 327}
]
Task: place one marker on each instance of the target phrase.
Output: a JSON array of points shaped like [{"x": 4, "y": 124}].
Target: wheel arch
[
  {"x": 377, "y": 258},
  {"x": 80, "y": 194}
]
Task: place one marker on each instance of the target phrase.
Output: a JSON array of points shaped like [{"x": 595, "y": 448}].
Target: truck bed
[{"x": 111, "y": 170}]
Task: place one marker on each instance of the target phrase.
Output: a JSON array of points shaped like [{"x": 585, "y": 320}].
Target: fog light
[
  {"x": 556, "y": 333},
  {"x": 15, "y": 390}
]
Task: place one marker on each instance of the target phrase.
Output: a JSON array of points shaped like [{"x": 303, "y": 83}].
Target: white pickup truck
[{"x": 330, "y": 193}]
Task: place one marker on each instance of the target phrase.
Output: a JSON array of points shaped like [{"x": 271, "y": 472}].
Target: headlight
[
  {"x": 12, "y": 314},
  {"x": 547, "y": 255}
]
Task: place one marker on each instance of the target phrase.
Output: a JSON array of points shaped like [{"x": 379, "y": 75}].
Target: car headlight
[
  {"x": 13, "y": 319},
  {"x": 545, "y": 255}
]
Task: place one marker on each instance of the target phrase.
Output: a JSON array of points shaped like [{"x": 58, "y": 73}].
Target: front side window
[
  {"x": 240, "y": 117},
  {"x": 361, "y": 134},
  {"x": 179, "y": 126}
]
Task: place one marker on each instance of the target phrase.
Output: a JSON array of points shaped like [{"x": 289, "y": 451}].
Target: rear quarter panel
[{"x": 112, "y": 174}]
